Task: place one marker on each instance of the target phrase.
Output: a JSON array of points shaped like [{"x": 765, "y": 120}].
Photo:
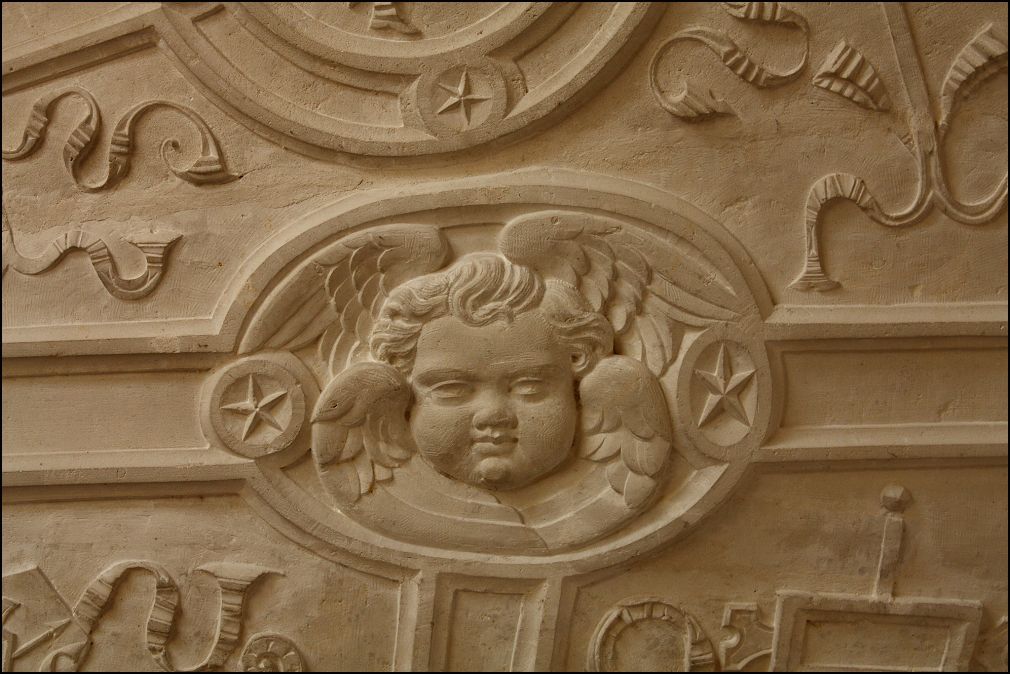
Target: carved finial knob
[{"x": 895, "y": 498}]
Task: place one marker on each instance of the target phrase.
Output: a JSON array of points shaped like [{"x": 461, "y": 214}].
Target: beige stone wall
[{"x": 516, "y": 336}]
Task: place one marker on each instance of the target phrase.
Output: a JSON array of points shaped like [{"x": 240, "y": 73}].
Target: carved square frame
[{"x": 795, "y": 610}]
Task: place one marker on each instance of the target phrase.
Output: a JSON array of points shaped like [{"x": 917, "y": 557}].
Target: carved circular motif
[
  {"x": 509, "y": 380},
  {"x": 401, "y": 79},
  {"x": 724, "y": 391},
  {"x": 257, "y": 406},
  {"x": 462, "y": 97},
  {"x": 268, "y": 652},
  {"x": 649, "y": 635}
]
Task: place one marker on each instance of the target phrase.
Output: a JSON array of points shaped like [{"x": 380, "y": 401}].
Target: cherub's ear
[{"x": 362, "y": 408}]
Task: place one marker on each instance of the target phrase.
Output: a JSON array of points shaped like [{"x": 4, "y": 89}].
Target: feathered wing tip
[
  {"x": 648, "y": 309},
  {"x": 626, "y": 424},
  {"x": 336, "y": 298},
  {"x": 359, "y": 429}
]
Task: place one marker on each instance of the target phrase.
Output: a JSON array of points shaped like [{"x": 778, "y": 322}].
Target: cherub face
[{"x": 494, "y": 406}]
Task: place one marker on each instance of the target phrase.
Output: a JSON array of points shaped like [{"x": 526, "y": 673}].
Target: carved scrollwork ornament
[
  {"x": 66, "y": 644},
  {"x": 979, "y": 60},
  {"x": 258, "y": 406},
  {"x": 694, "y": 103},
  {"x": 646, "y": 633},
  {"x": 209, "y": 167},
  {"x": 849, "y": 74},
  {"x": 154, "y": 245}
]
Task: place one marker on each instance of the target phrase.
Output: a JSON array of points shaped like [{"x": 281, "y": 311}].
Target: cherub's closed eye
[
  {"x": 528, "y": 387},
  {"x": 451, "y": 390}
]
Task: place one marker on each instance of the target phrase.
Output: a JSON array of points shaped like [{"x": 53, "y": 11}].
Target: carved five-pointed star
[
  {"x": 460, "y": 96},
  {"x": 724, "y": 389},
  {"x": 256, "y": 407}
]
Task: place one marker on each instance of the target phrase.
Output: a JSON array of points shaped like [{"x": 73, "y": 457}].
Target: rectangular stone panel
[
  {"x": 871, "y": 386},
  {"x": 825, "y": 633},
  {"x": 485, "y": 624},
  {"x": 88, "y": 423}
]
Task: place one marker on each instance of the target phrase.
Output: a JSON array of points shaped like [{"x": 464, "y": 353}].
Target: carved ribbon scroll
[
  {"x": 233, "y": 581},
  {"x": 693, "y": 104},
  {"x": 208, "y": 168},
  {"x": 154, "y": 245},
  {"x": 979, "y": 60}
]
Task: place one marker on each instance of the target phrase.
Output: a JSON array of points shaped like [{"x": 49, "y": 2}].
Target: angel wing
[
  {"x": 359, "y": 428},
  {"x": 647, "y": 308},
  {"x": 337, "y": 297},
  {"x": 625, "y": 422}
]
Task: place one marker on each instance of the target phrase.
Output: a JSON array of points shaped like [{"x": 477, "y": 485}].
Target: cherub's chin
[{"x": 493, "y": 473}]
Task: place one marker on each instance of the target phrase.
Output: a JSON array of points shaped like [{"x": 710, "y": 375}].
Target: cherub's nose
[{"x": 497, "y": 412}]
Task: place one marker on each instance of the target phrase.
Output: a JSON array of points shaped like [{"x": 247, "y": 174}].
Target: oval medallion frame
[{"x": 308, "y": 516}]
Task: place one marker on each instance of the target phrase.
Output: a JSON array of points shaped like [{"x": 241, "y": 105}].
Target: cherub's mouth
[{"x": 492, "y": 445}]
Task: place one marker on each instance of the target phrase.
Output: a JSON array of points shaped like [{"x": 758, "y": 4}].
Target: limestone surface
[{"x": 519, "y": 336}]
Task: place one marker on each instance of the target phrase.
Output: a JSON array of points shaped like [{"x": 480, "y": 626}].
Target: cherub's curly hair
[{"x": 479, "y": 289}]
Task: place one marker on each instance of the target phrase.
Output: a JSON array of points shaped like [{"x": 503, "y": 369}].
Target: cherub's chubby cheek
[
  {"x": 442, "y": 433},
  {"x": 546, "y": 432}
]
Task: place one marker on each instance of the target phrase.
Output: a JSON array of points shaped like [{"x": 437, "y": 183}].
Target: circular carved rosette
[
  {"x": 402, "y": 79},
  {"x": 268, "y": 652},
  {"x": 258, "y": 406},
  {"x": 649, "y": 635},
  {"x": 524, "y": 382}
]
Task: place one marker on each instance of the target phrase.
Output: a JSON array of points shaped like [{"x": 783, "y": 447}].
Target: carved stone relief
[
  {"x": 441, "y": 346},
  {"x": 848, "y": 73},
  {"x": 810, "y": 631},
  {"x": 433, "y": 404},
  {"x": 209, "y": 168},
  {"x": 673, "y": 639},
  {"x": 154, "y": 245},
  {"x": 980, "y": 59},
  {"x": 693, "y": 104},
  {"x": 413, "y": 78},
  {"x": 31, "y": 604}
]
